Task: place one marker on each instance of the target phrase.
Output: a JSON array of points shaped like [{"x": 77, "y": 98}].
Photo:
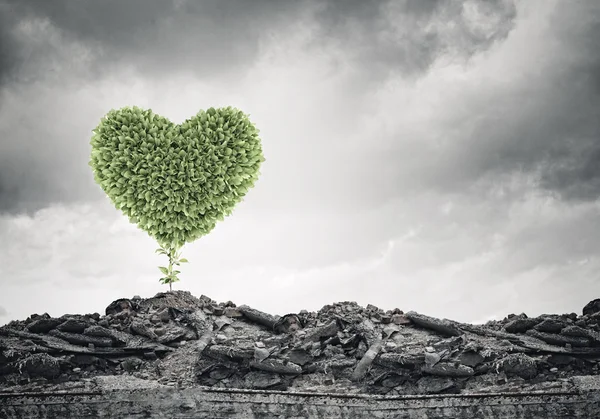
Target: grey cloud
[
  {"x": 216, "y": 38},
  {"x": 407, "y": 37},
  {"x": 3, "y": 311},
  {"x": 156, "y": 37},
  {"x": 546, "y": 124}
]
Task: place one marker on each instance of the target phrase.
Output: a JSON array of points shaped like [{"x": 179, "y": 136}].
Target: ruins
[{"x": 198, "y": 352}]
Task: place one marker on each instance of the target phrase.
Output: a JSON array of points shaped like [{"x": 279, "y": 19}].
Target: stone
[
  {"x": 41, "y": 365},
  {"x": 131, "y": 364},
  {"x": 138, "y": 328},
  {"x": 441, "y": 326},
  {"x": 299, "y": 356},
  {"x": 73, "y": 326},
  {"x": 559, "y": 339},
  {"x": 365, "y": 362},
  {"x": 400, "y": 319},
  {"x": 446, "y": 369},
  {"x": 262, "y": 380},
  {"x": 575, "y": 331},
  {"x": 118, "y": 338},
  {"x": 79, "y": 339},
  {"x": 258, "y": 316},
  {"x": 325, "y": 331},
  {"x": 470, "y": 358},
  {"x": 164, "y": 315},
  {"x": 593, "y": 307},
  {"x": 277, "y": 366},
  {"x": 391, "y": 379},
  {"x": 550, "y": 326},
  {"x": 435, "y": 385},
  {"x": 232, "y": 312},
  {"x": 519, "y": 365},
  {"x": 521, "y": 325},
  {"x": 118, "y": 306},
  {"x": 43, "y": 325}
]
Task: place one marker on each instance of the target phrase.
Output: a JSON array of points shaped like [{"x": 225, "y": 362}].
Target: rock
[
  {"x": 120, "y": 305},
  {"x": 150, "y": 356},
  {"x": 84, "y": 340},
  {"x": 164, "y": 315},
  {"x": 258, "y": 316},
  {"x": 118, "y": 338},
  {"x": 83, "y": 360},
  {"x": 232, "y": 312},
  {"x": 520, "y": 365},
  {"x": 316, "y": 333},
  {"x": 262, "y": 380},
  {"x": 447, "y": 369},
  {"x": 365, "y": 363},
  {"x": 172, "y": 334},
  {"x": 221, "y": 322},
  {"x": 592, "y": 307},
  {"x": 41, "y": 365},
  {"x": 73, "y": 326},
  {"x": 561, "y": 360},
  {"x": 401, "y": 319},
  {"x": 138, "y": 328},
  {"x": 260, "y": 354},
  {"x": 396, "y": 360},
  {"x": 391, "y": 379},
  {"x": 441, "y": 326},
  {"x": 222, "y": 352},
  {"x": 521, "y": 325},
  {"x": 299, "y": 356},
  {"x": 132, "y": 364},
  {"x": 277, "y": 366},
  {"x": 470, "y": 358},
  {"x": 43, "y": 325},
  {"x": 550, "y": 326},
  {"x": 432, "y": 358},
  {"x": 559, "y": 339},
  {"x": 435, "y": 385}
]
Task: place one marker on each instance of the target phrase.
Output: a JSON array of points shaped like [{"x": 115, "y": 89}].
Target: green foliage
[{"x": 175, "y": 181}]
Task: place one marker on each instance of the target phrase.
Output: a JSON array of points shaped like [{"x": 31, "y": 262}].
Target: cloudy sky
[{"x": 437, "y": 156}]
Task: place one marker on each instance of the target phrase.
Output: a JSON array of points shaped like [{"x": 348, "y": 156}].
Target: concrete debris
[{"x": 176, "y": 339}]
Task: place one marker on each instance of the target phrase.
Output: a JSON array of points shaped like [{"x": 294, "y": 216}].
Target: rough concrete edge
[{"x": 110, "y": 384}]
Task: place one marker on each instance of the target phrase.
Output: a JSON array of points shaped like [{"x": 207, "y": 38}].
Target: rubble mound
[{"x": 176, "y": 339}]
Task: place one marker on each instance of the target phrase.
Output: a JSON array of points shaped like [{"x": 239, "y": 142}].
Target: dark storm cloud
[
  {"x": 407, "y": 36},
  {"x": 155, "y": 36},
  {"x": 220, "y": 37},
  {"x": 545, "y": 120}
]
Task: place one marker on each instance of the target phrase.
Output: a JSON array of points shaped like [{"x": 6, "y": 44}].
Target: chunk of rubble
[
  {"x": 177, "y": 339},
  {"x": 441, "y": 326}
]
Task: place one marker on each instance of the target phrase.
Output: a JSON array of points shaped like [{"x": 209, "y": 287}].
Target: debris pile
[{"x": 176, "y": 339}]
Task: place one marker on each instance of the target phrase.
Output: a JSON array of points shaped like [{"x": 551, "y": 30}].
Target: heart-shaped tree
[{"x": 175, "y": 181}]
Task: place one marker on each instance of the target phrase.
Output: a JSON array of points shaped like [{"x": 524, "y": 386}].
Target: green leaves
[{"x": 175, "y": 181}]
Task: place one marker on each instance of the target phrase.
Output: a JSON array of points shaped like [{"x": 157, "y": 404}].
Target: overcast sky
[{"x": 437, "y": 156}]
